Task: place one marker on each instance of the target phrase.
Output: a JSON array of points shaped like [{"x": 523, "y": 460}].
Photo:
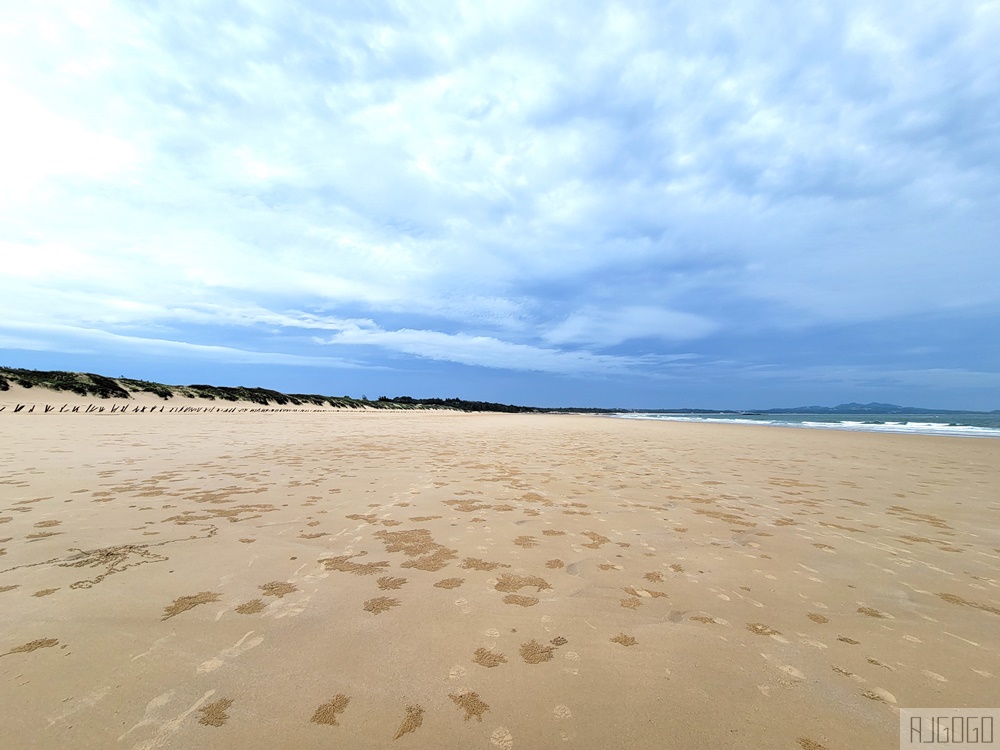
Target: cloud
[
  {"x": 486, "y": 351},
  {"x": 609, "y": 327},
  {"x": 89, "y": 341},
  {"x": 498, "y": 186}
]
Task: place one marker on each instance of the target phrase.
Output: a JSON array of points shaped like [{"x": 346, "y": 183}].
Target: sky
[{"x": 643, "y": 204}]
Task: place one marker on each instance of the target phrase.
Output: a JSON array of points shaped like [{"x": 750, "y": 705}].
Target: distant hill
[{"x": 855, "y": 408}]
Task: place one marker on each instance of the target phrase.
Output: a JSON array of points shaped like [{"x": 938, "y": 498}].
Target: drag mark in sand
[
  {"x": 954, "y": 599},
  {"x": 42, "y": 535},
  {"x": 112, "y": 559},
  {"x": 869, "y": 612},
  {"x": 184, "y": 603},
  {"x": 471, "y": 703},
  {"x": 328, "y": 712},
  {"x": 119, "y": 559},
  {"x": 27, "y": 648},
  {"x": 411, "y": 723}
]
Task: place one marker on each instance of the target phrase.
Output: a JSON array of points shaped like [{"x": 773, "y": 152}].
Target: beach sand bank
[{"x": 432, "y": 579}]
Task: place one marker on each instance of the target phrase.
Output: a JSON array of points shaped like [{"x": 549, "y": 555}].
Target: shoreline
[{"x": 850, "y": 423}]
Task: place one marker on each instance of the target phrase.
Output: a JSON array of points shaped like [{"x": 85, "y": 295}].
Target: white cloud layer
[{"x": 588, "y": 188}]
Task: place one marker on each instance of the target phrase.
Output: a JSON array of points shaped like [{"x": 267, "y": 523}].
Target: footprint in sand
[
  {"x": 457, "y": 672},
  {"x": 487, "y": 658},
  {"x": 214, "y": 714},
  {"x": 519, "y": 600},
  {"x": 412, "y": 722},
  {"x": 869, "y": 612},
  {"x": 278, "y": 588},
  {"x": 328, "y": 712},
  {"x": 251, "y": 607},
  {"x": 534, "y": 652},
  {"x": 502, "y": 738},
  {"x": 241, "y": 646},
  {"x": 380, "y": 604},
  {"x": 471, "y": 703}
]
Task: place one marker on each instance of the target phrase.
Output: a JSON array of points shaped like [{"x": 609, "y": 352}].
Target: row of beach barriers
[{"x": 125, "y": 409}]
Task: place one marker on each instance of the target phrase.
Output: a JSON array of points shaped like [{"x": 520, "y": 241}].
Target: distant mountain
[{"x": 855, "y": 408}]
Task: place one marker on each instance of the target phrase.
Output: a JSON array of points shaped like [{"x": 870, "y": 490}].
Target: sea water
[{"x": 961, "y": 425}]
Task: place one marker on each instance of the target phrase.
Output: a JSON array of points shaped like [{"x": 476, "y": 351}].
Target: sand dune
[{"x": 426, "y": 580}]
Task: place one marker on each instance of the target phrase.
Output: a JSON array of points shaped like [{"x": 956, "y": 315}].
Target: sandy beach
[{"x": 371, "y": 579}]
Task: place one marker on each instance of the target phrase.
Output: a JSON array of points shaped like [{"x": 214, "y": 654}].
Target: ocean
[{"x": 958, "y": 425}]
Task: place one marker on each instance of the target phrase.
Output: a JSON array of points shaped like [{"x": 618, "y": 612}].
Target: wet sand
[{"x": 429, "y": 580}]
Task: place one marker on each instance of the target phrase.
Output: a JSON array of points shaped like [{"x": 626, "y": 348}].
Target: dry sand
[{"x": 433, "y": 580}]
